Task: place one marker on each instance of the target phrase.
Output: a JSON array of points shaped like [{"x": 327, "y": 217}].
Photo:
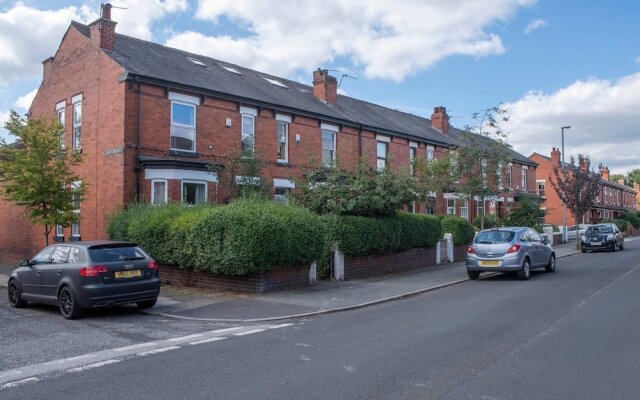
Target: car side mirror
[{"x": 25, "y": 263}]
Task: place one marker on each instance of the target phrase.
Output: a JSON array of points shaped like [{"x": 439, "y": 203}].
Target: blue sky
[{"x": 553, "y": 63}]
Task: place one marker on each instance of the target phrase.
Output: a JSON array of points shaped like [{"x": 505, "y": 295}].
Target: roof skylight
[
  {"x": 197, "y": 62},
  {"x": 275, "y": 82},
  {"x": 230, "y": 69}
]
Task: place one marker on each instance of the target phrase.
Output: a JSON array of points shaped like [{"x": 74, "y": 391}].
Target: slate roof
[{"x": 165, "y": 64}]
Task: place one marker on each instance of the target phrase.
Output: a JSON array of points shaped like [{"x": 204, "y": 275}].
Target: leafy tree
[
  {"x": 364, "y": 192},
  {"x": 526, "y": 212},
  {"x": 633, "y": 177},
  {"x": 576, "y": 185},
  {"x": 481, "y": 155},
  {"x": 617, "y": 177},
  {"x": 37, "y": 172},
  {"x": 432, "y": 177},
  {"x": 241, "y": 176}
]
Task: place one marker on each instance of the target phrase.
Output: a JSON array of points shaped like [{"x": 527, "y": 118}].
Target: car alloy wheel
[
  {"x": 15, "y": 298},
  {"x": 551, "y": 267},
  {"x": 525, "y": 272},
  {"x": 67, "y": 303}
]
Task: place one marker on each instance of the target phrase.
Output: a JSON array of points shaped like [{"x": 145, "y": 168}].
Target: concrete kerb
[{"x": 319, "y": 312}]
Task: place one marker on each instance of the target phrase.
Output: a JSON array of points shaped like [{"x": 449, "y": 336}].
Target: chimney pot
[{"x": 106, "y": 11}]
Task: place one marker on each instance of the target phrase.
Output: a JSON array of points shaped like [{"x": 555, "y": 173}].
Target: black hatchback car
[
  {"x": 602, "y": 237},
  {"x": 82, "y": 275}
]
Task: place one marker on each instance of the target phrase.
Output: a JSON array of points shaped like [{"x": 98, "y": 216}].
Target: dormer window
[
  {"x": 197, "y": 62},
  {"x": 230, "y": 69},
  {"x": 275, "y": 82}
]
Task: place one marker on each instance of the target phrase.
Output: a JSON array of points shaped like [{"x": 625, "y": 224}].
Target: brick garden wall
[{"x": 283, "y": 278}]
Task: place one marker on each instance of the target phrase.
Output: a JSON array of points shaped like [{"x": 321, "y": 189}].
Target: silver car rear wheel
[{"x": 525, "y": 271}]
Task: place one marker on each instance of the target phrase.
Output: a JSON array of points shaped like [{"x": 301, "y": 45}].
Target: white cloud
[
  {"x": 29, "y": 35},
  {"x": 389, "y": 40},
  {"x": 24, "y": 102},
  {"x": 139, "y": 15},
  {"x": 603, "y": 116},
  {"x": 4, "y": 134},
  {"x": 535, "y": 24}
]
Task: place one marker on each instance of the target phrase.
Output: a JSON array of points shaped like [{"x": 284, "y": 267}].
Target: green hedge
[
  {"x": 244, "y": 237},
  {"x": 620, "y": 223},
  {"x": 632, "y": 218},
  {"x": 360, "y": 236},
  {"x": 461, "y": 229},
  {"x": 490, "y": 221}
]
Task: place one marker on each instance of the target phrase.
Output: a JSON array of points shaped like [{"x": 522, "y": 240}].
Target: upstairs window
[
  {"x": 282, "y": 137},
  {"x": 510, "y": 176},
  {"x": 451, "y": 206},
  {"x": 381, "y": 155},
  {"x": 183, "y": 122},
  {"x": 77, "y": 122},
  {"x": 248, "y": 135},
  {"x": 328, "y": 147},
  {"x": 61, "y": 118},
  {"x": 541, "y": 188},
  {"x": 412, "y": 161}
]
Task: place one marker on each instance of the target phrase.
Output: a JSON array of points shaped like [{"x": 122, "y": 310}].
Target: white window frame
[
  {"x": 59, "y": 231},
  {"x": 284, "y": 123},
  {"x": 77, "y": 141},
  {"x": 510, "y": 175},
  {"x": 430, "y": 153},
  {"x": 166, "y": 190},
  {"x": 451, "y": 209},
  {"x": 480, "y": 208},
  {"x": 333, "y": 149},
  {"x": 206, "y": 189},
  {"x": 192, "y": 128},
  {"x": 75, "y": 226},
  {"x": 524, "y": 179},
  {"x": 246, "y": 135},
  {"x": 412, "y": 160},
  {"x": 381, "y": 161},
  {"x": 61, "y": 117},
  {"x": 544, "y": 187},
  {"x": 464, "y": 208},
  {"x": 500, "y": 175}
]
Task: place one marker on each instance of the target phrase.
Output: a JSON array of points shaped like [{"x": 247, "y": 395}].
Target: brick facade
[
  {"x": 614, "y": 199},
  {"x": 126, "y": 125}
]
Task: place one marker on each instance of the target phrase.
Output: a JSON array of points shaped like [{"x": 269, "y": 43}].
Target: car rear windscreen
[
  {"x": 115, "y": 254},
  {"x": 494, "y": 237}
]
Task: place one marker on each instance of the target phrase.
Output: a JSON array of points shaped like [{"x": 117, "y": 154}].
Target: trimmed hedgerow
[
  {"x": 620, "y": 223},
  {"x": 360, "y": 236},
  {"x": 461, "y": 229},
  {"x": 632, "y": 218}
]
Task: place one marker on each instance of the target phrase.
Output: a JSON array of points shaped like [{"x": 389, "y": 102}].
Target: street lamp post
[{"x": 564, "y": 217}]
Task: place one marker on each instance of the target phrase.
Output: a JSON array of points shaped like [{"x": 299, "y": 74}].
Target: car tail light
[
  {"x": 514, "y": 248},
  {"x": 152, "y": 265},
  {"x": 93, "y": 270},
  {"x": 471, "y": 250}
]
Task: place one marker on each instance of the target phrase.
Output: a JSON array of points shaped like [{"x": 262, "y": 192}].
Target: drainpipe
[
  {"x": 360, "y": 142},
  {"x": 137, "y": 164}
]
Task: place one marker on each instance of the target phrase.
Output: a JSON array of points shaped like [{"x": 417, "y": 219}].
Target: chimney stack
[
  {"x": 325, "y": 86},
  {"x": 440, "y": 119},
  {"x": 555, "y": 156},
  {"x": 103, "y": 30},
  {"x": 604, "y": 173}
]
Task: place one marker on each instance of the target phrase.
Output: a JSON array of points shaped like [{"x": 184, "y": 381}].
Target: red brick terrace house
[
  {"x": 614, "y": 198},
  {"x": 149, "y": 119}
]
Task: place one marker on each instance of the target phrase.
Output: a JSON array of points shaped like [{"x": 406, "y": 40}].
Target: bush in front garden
[
  {"x": 461, "y": 229},
  {"x": 245, "y": 237},
  {"x": 361, "y": 236},
  {"x": 620, "y": 223},
  {"x": 632, "y": 218},
  {"x": 490, "y": 221},
  {"x": 250, "y": 236}
]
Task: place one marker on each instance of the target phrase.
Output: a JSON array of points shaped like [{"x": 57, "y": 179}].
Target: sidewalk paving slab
[{"x": 325, "y": 297}]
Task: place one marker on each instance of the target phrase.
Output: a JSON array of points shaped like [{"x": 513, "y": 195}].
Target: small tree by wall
[
  {"x": 576, "y": 185},
  {"x": 37, "y": 172},
  {"x": 241, "y": 176}
]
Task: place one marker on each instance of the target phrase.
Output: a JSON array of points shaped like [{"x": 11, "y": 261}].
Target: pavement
[{"x": 326, "y": 297}]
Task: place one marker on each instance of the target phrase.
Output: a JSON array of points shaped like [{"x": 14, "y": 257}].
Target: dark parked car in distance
[
  {"x": 81, "y": 275},
  {"x": 602, "y": 237},
  {"x": 514, "y": 249}
]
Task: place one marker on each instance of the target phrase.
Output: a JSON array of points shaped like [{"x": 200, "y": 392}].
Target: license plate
[
  {"x": 596, "y": 243},
  {"x": 128, "y": 274},
  {"x": 491, "y": 263}
]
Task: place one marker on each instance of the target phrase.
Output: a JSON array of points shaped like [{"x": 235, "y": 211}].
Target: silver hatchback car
[{"x": 517, "y": 249}]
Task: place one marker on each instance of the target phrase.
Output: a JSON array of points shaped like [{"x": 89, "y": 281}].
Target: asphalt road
[{"x": 572, "y": 334}]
